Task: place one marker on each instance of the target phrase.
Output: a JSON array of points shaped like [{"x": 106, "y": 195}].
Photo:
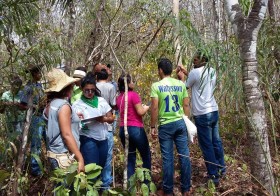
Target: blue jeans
[
  {"x": 137, "y": 140},
  {"x": 37, "y": 131},
  {"x": 107, "y": 178},
  {"x": 210, "y": 143},
  {"x": 94, "y": 151},
  {"x": 175, "y": 132}
]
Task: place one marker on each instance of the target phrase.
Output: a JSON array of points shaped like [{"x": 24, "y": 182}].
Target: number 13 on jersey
[{"x": 169, "y": 99}]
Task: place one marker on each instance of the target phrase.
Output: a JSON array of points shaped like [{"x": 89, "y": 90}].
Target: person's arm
[
  {"x": 64, "y": 120},
  {"x": 186, "y": 106},
  {"x": 181, "y": 72},
  {"x": 112, "y": 100},
  {"x": 141, "y": 109},
  {"x": 154, "y": 116}
]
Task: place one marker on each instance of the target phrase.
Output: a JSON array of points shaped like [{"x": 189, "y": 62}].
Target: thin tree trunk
[
  {"x": 177, "y": 45},
  {"x": 22, "y": 150},
  {"x": 70, "y": 36},
  {"x": 125, "y": 133},
  {"x": 203, "y": 19}
]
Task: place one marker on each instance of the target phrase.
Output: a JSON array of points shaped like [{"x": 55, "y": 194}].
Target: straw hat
[{"x": 58, "y": 80}]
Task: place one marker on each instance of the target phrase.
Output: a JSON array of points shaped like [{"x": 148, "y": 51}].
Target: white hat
[
  {"x": 79, "y": 74},
  {"x": 58, "y": 80}
]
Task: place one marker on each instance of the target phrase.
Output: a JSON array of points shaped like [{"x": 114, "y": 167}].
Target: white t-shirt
[
  {"x": 94, "y": 129},
  {"x": 202, "y": 82}
]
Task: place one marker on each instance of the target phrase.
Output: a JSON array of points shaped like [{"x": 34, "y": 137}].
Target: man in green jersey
[{"x": 169, "y": 102}]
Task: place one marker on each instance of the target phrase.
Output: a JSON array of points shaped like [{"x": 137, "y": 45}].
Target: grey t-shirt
[
  {"x": 108, "y": 92},
  {"x": 55, "y": 142}
]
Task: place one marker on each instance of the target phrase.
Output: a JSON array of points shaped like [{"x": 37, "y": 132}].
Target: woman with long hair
[
  {"x": 63, "y": 123},
  {"x": 137, "y": 135}
]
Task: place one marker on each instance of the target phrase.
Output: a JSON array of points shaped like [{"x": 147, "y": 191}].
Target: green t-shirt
[
  {"x": 170, "y": 93},
  {"x": 12, "y": 112},
  {"x": 76, "y": 95}
]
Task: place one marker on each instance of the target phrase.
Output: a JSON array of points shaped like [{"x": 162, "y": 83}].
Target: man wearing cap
[
  {"x": 33, "y": 96},
  {"x": 79, "y": 72}
]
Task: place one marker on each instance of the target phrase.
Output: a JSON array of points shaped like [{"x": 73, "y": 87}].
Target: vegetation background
[{"x": 131, "y": 35}]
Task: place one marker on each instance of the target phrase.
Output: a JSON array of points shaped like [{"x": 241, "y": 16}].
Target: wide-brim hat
[
  {"x": 58, "y": 80},
  {"x": 79, "y": 74}
]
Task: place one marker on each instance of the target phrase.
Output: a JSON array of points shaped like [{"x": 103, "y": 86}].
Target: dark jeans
[
  {"x": 37, "y": 131},
  {"x": 175, "y": 132},
  {"x": 210, "y": 143},
  {"x": 137, "y": 140},
  {"x": 94, "y": 151}
]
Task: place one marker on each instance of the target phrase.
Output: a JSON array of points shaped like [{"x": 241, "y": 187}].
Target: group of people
[{"x": 82, "y": 121}]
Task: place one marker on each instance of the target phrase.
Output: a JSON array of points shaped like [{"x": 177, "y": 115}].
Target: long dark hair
[
  {"x": 121, "y": 82},
  {"x": 90, "y": 79},
  {"x": 59, "y": 95}
]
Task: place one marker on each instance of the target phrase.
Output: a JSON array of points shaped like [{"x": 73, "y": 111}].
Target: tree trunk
[
  {"x": 247, "y": 30},
  {"x": 96, "y": 30},
  {"x": 125, "y": 133},
  {"x": 22, "y": 150},
  {"x": 261, "y": 166},
  {"x": 177, "y": 46},
  {"x": 70, "y": 36}
]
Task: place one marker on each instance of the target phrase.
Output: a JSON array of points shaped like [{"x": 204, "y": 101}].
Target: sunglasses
[{"x": 89, "y": 91}]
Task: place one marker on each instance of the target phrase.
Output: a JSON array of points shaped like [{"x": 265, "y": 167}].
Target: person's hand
[
  {"x": 182, "y": 69},
  {"x": 154, "y": 133},
  {"x": 80, "y": 114},
  {"x": 146, "y": 107},
  {"x": 181, "y": 75},
  {"x": 81, "y": 166}
]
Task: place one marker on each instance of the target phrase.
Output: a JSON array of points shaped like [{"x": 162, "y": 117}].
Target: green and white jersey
[{"x": 170, "y": 93}]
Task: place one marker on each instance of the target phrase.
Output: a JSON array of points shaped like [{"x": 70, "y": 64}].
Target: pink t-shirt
[{"x": 133, "y": 119}]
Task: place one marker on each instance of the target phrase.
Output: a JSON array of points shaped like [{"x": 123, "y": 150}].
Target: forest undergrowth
[{"x": 237, "y": 181}]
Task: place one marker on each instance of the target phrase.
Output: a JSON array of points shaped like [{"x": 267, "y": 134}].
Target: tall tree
[
  {"x": 246, "y": 30},
  {"x": 177, "y": 45}
]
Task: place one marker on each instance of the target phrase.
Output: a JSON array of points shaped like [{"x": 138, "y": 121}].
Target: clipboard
[{"x": 88, "y": 120}]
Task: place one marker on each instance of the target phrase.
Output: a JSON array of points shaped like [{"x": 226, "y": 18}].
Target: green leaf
[
  {"x": 113, "y": 192},
  {"x": 145, "y": 189},
  {"x": 70, "y": 178},
  {"x": 98, "y": 183},
  {"x": 76, "y": 183},
  {"x": 148, "y": 176},
  {"x": 93, "y": 174},
  {"x": 73, "y": 168},
  {"x": 132, "y": 180},
  {"x": 37, "y": 158},
  {"x": 244, "y": 167},
  {"x": 153, "y": 187},
  {"x": 133, "y": 190},
  {"x": 90, "y": 167},
  {"x": 140, "y": 174}
]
